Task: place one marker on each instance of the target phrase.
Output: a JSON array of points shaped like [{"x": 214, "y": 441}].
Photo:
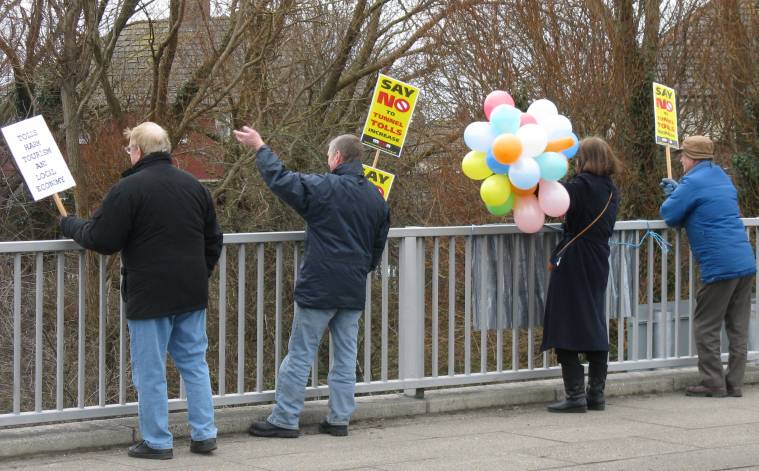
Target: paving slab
[
  {"x": 592, "y": 430},
  {"x": 732, "y": 458},
  {"x": 607, "y": 450},
  {"x": 468, "y": 462},
  {"x": 712, "y": 437},
  {"x": 707, "y": 415}
]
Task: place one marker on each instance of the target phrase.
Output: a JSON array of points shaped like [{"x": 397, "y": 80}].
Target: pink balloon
[
  {"x": 527, "y": 119},
  {"x": 527, "y": 214},
  {"x": 553, "y": 198},
  {"x": 495, "y": 98}
]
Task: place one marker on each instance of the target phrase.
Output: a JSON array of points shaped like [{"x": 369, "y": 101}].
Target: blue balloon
[
  {"x": 569, "y": 153},
  {"x": 553, "y": 165},
  {"x": 494, "y": 165},
  {"x": 504, "y": 119}
]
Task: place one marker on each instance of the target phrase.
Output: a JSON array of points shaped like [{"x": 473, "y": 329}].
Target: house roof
[{"x": 131, "y": 69}]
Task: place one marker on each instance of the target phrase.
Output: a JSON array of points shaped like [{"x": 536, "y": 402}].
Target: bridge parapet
[{"x": 449, "y": 306}]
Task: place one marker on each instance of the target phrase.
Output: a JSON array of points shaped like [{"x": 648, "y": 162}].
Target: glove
[
  {"x": 62, "y": 224},
  {"x": 668, "y": 186}
]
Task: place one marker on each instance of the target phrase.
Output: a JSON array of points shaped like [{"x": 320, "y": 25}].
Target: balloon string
[{"x": 658, "y": 239}]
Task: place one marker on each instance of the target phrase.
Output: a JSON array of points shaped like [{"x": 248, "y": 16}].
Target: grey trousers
[{"x": 727, "y": 301}]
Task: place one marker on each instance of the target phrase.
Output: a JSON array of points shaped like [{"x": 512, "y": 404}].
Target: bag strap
[{"x": 588, "y": 226}]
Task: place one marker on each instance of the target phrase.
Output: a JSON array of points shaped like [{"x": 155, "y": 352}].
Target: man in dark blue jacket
[
  {"x": 705, "y": 202},
  {"x": 347, "y": 225},
  {"x": 163, "y": 222}
]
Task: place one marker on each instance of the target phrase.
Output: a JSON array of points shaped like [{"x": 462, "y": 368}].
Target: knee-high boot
[
  {"x": 596, "y": 384},
  {"x": 573, "y": 375}
]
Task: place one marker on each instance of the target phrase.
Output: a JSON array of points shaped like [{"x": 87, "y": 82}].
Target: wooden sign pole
[
  {"x": 59, "y": 204},
  {"x": 376, "y": 158},
  {"x": 669, "y": 163}
]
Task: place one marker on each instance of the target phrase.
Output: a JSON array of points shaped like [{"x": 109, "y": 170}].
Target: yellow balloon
[
  {"x": 495, "y": 190},
  {"x": 475, "y": 166}
]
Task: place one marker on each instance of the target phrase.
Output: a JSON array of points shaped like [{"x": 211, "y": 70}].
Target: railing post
[{"x": 410, "y": 315}]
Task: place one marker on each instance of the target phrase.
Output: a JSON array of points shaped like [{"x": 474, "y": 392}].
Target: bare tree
[
  {"x": 80, "y": 45},
  {"x": 316, "y": 80}
]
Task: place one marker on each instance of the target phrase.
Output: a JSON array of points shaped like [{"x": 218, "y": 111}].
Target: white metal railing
[{"x": 64, "y": 354}]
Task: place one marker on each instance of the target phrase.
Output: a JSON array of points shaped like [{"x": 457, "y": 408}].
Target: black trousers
[{"x": 571, "y": 357}]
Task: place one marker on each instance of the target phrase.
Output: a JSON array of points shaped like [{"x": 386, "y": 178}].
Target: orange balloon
[
  {"x": 521, "y": 192},
  {"x": 507, "y": 148},
  {"x": 560, "y": 144}
]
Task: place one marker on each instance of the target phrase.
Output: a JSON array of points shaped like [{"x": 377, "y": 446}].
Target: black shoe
[
  {"x": 334, "y": 430},
  {"x": 142, "y": 450},
  {"x": 203, "y": 446},
  {"x": 264, "y": 429}
]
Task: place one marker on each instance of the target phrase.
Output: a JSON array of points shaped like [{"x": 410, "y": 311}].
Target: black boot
[
  {"x": 596, "y": 385},
  {"x": 573, "y": 375}
]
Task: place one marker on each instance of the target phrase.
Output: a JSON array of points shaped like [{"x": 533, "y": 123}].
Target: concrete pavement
[{"x": 651, "y": 431}]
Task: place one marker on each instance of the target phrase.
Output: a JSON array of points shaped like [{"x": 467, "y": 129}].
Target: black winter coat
[
  {"x": 163, "y": 222},
  {"x": 574, "y": 315},
  {"x": 347, "y": 222}
]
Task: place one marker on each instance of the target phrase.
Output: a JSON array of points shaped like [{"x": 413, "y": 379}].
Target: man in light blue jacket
[{"x": 705, "y": 202}]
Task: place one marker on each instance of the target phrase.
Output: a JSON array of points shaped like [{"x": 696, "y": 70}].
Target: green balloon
[{"x": 503, "y": 209}]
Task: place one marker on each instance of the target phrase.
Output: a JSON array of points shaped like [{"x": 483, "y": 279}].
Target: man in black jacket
[
  {"x": 347, "y": 225},
  {"x": 163, "y": 222}
]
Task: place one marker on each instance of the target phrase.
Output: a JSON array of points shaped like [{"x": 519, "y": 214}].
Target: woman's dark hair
[{"x": 595, "y": 156}]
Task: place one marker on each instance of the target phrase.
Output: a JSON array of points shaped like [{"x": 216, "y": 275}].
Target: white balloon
[
  {"x": 557, "y": 127},
  {"x": 524, "y": 173},
  {"x": 533, "y": 138},
  {"x": 542, "y": 109},
  {"x": 477, "y": 136}
]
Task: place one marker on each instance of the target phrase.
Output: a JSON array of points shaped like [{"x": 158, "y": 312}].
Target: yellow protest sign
[
  {"x": 389, "y": 115},
  {"x": 665, "y": 116},
  {"x": 381, "y": 179}
]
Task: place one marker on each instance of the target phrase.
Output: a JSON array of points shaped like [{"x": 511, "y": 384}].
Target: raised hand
[{"x": 249, "y": 137}]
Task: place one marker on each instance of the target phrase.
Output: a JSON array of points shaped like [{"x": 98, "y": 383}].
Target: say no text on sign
[
  {"x": 381, "y": 179},
  {"x": 665, "y": 116},
  {"x": 389, "y": 115},
  {"x": 38, "y": 158}
]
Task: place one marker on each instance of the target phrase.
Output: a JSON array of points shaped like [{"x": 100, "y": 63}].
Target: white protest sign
[{"x": 38, "y": 157}]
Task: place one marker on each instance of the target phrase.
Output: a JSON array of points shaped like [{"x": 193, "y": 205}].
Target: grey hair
[
  {"x": 149, "y": 137},
  {"x": 350, "y": 147}
]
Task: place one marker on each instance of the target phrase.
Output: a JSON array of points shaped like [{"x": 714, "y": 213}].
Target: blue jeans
[
  {"x": 308, "y": 327},
  {"x": 184, "y": 336}
]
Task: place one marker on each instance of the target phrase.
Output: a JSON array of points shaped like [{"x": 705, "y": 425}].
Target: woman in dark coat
[{"x": 574, "y": 317}]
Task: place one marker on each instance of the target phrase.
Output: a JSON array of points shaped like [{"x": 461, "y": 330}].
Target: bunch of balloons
[{"x": 517, "y": 153}]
